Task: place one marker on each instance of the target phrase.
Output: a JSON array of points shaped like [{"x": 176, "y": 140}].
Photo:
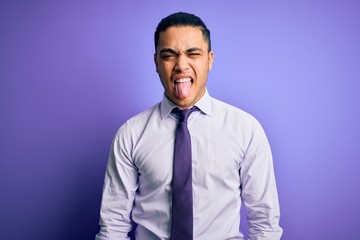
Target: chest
[{"x": 216, "y": 153}]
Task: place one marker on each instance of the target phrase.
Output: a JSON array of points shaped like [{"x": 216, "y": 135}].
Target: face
[{"x": 182, "y": 61}]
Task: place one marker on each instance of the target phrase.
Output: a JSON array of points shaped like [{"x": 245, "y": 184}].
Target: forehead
[{"x": 182, "y": 38}]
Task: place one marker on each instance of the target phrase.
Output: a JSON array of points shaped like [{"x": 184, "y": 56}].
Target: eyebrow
[
  {"x": 195, "y": 49},
  {"x": 169, "y": 50}
]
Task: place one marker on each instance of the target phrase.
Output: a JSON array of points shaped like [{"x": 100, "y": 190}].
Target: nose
[{"x": 181, "y": 63}]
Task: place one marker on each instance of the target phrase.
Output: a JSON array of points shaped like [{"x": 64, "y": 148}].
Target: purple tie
[{"x": 182, "y": 206}]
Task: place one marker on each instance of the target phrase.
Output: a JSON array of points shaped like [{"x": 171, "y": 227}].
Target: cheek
[
  {"x": 164, "y": 69},
  {"x": 201, "y": 65},
  {"x": 164, "y": 78},
  {"x": 201, "y": 70}
]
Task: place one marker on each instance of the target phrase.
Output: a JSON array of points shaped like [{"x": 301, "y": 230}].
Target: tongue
[{"x": 182, "y": 90}]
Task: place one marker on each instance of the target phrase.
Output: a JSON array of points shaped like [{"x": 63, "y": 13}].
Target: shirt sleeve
[
  {"x": 258, "y": 188},
  {"x": 120, "y": 184}
]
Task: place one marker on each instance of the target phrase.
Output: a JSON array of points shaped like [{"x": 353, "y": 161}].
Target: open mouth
[
  {"x": 182, "y": 80},
  {"x": 182, "y": 87}
]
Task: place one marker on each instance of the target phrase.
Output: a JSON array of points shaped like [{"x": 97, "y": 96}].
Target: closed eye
[
  {"x": 167, "y": 53},
  {"x": 167, "y": 56},
  {"x": 194, "y": 54}
]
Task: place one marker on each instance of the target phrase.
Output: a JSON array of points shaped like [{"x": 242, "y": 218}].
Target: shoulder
[
  {"x": 238, "y": 121},
  {"x": 235, "y": 119},
  {"x": 140, "y": 120},
  {"x": 144, "y": 115},
  {"x": 225, "y": 110}
]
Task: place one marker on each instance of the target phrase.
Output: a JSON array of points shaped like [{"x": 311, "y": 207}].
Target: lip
[{"x": 182, "y": 78}]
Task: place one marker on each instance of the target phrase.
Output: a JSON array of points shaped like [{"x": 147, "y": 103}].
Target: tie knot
[{"x": 184, "y": 114}]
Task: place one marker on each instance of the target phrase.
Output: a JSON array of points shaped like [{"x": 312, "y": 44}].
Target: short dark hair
[{"x": 182, "y": 19}]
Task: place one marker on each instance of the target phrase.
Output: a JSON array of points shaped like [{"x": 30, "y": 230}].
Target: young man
[{"x": 230, "y": 158}]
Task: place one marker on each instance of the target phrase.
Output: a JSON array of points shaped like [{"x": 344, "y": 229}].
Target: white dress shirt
[{"x": 232, "y": 163}]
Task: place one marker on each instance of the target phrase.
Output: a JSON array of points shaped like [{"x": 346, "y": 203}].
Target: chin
[{"x": 185, "y": 103}]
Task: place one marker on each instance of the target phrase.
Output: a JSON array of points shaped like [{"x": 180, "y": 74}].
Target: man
[{"x": 230, "y": 157}]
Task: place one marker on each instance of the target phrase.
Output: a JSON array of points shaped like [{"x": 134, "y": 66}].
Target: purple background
[{"x": 72, "y": 72}]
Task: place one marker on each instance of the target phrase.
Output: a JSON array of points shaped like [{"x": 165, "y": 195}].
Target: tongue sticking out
[{"x": 182, "y": 90}]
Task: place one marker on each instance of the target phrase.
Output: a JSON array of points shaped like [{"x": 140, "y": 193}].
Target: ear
[
  {"x": 211, "y": 59},
  {"x": 156, "y": 63}
]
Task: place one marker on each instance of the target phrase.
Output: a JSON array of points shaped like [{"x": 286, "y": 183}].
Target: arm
[
  {"x": 258, "y": 187},
  {"x": 118, "y": 193}
]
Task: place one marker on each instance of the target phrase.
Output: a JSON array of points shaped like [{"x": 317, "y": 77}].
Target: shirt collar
[{"x": 204, "y": 104}]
